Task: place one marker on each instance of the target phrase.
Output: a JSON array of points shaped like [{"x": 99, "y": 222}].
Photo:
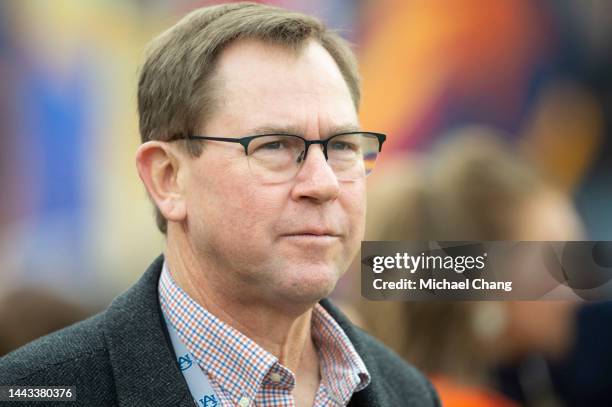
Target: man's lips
[
  {"x": 313, "y": 233},
  {"x": 312, "y": 236},
  {"x": 311, "y": 239}
]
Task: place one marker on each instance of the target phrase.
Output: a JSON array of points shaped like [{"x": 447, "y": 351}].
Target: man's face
[{"x": 287, "y": 241}]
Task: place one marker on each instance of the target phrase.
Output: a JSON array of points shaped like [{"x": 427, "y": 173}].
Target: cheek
[
  {"x": 354, "y": 203},
  {"x": 241, "y": 211}
]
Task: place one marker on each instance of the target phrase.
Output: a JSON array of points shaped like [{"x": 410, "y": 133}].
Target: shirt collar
[
  {"x": 337, "y": 356},
  {"x": 240, "y": 366}
]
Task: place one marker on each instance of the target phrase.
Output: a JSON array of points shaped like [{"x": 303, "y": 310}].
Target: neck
[{"x": 283, "y": 331}]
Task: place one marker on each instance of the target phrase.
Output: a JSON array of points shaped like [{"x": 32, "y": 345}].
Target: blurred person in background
[
  {"x": 474, "y": 187},
  {"x": 255, "y": 160}
]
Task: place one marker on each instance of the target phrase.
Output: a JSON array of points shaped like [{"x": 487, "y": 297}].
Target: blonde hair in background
[{"x": 471, "y": 187}]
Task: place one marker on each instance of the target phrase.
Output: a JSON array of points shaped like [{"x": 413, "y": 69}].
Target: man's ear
[{"x": 158, "y": 167}]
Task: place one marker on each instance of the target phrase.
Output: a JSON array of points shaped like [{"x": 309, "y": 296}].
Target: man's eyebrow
[
  {"x": 271, "y": 129},
  {"x": 345, "y": 128},
  {"x": 299, "y": 131}
]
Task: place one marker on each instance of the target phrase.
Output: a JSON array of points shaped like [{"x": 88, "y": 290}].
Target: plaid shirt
[{"x": 243, "y": 373}]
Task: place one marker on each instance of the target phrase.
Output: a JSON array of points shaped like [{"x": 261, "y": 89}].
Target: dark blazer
[{"x": 123, "y": 356}]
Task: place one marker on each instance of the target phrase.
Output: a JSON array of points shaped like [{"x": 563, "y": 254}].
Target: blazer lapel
[{"x": 140, "y": 352}]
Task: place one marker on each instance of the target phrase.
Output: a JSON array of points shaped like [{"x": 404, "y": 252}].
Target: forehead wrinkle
[{"x": 301, "y": 130}]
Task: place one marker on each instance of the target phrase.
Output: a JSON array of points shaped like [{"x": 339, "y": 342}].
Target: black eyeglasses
[{"x": 276, "y": 158}]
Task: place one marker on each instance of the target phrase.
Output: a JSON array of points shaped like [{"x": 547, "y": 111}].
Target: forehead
[{"x": 266, "y": 85}]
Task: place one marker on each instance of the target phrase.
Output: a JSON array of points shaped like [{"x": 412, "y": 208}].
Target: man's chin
[{"x": 309, "y": 288}]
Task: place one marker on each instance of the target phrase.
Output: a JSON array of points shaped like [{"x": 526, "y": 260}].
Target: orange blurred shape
[
  {"x": 453, "y": 394},
  {"x": 416, "y": 47},
  {"x": 563, "y": 135}
]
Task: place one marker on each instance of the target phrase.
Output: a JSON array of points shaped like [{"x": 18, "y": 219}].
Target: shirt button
[
  {"x": 275, "y": 377},
  {"x": 244, "y": 402}
]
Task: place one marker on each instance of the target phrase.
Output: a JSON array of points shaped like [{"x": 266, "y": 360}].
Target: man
[{"x": 253, "y": 156}]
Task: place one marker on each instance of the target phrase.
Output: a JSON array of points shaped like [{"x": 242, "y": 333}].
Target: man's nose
[{"x": 315, "y": 179}]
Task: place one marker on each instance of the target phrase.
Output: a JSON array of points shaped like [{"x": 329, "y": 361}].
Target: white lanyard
[{"x": 197, "y": 381}]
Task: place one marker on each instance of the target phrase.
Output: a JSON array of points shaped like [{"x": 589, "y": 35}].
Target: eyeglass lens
[{"x": 278, "y": 158}]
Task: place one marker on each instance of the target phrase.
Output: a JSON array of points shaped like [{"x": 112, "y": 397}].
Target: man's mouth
[{"x": 314, "y": 233}]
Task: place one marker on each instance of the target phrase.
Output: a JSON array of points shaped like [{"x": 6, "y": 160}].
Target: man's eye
[
  {"x": 343, "y": 146},
  {"x": 273, "y": 145}
]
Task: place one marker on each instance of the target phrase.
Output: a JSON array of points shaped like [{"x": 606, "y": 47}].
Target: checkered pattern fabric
[{"x": 243, "y": 373}]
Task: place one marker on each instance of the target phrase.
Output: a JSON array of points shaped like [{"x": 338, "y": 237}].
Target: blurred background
[{"x": 459, "y": 86}]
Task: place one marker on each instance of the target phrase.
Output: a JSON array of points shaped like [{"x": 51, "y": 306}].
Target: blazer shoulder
[{"x": 57, "y": 355}]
